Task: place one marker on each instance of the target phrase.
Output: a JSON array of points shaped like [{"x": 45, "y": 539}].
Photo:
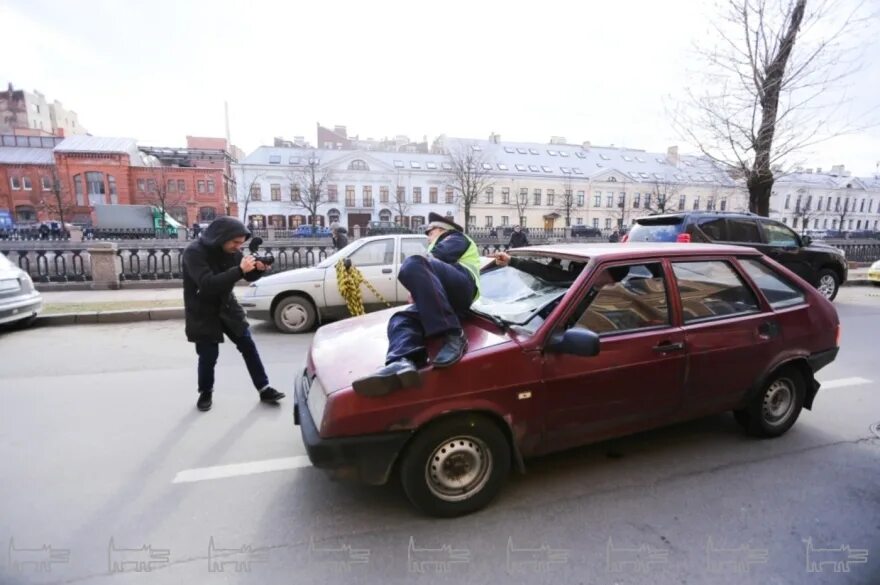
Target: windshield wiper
[{"x": 498, "y": 321}]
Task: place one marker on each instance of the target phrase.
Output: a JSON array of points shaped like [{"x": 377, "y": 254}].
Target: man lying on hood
[{"x": 211, "y": 267}]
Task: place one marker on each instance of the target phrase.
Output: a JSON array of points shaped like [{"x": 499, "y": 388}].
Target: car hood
[
  {"x": 292, "y": 276},
  {"x": 344, "y": 351}
]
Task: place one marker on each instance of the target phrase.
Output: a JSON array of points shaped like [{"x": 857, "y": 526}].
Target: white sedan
[
  {"x": 19, "y": 301},
  {"x": 297, "y": 300}
]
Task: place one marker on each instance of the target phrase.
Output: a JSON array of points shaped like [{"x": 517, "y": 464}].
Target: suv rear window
[{"x": 656, "y": 229}]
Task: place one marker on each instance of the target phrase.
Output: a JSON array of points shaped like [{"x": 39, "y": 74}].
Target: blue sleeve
[{"x": 451, "y": 247}]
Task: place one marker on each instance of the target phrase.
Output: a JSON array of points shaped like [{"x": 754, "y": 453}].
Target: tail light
[
  {"x": 837, "y": 337},
  {"x": 683, "y": 238}
]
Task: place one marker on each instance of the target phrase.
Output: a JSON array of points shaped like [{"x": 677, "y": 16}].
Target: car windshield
[
  {"x": 336, "y": 256},
  {"x": 660, "y": 229},
  {"x": 517, "y": 297}
]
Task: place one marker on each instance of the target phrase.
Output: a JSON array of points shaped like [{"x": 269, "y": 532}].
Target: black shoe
[
  {"x": 453, "y": 349},
  {"x": 204, "y": 403},
  {"x": 394, "y": 376},
  {"x": 270, "y": 394}
]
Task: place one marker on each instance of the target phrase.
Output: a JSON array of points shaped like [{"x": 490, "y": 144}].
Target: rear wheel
[
  {"x": 455, "y": 466},
  {"x": 829, "y": 284},
  {"x": 294, "y": 314},
  {"x": 774, "y": 410}
]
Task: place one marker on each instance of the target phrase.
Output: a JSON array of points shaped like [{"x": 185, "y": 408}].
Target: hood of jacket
[{"x": 222, "y": 230}]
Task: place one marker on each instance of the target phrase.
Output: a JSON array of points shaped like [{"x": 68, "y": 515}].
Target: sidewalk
[{"x": 160, "y": 304}]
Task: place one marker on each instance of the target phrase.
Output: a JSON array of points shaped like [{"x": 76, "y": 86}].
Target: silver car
[{"x": 19, "y": 301}]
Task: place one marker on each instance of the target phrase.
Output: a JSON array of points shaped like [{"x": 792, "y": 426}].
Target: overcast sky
[{"x": 597, "y": 71}]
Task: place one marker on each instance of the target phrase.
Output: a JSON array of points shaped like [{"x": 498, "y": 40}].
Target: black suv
[
  {"x": 584, "y": 231},
  {"x": 819, "y": 264}
]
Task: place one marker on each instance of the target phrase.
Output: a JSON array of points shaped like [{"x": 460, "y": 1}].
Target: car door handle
[
  {"x": 668, "y": 346},
  {"x": 387, "y": 270}
]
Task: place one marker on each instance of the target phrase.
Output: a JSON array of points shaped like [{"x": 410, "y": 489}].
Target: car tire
[
  {"x": 829, "y": 283},
  {"x": 294, "y": 314},
  {"x": 773, "y": 410},
  {"x": 434, "y": 462}
]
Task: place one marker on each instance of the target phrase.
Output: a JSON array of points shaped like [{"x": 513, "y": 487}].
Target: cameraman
[{"x": 211, "y": 267}]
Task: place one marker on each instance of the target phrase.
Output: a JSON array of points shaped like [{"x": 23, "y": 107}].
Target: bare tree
[
  {"x": 567, "y": 202},
  {"x": 54, "y": 203},
  {"x": 399, "y": 205},
  {"x": 246, "y": 191},
  {"x": 842, "y": 212},
  {"x": 311, "y": 180},
  {"x": 663, "y": 198},
  {"x": 804, "y": 210},
  {"x": 468, "y": 176},
  {"x": 770, "y": 88},
  {"x": 520, "y": 202},
  {"x": 159, "y": 195}
]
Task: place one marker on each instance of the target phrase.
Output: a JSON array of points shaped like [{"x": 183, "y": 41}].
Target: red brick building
[{"x": 196, "y": 184}]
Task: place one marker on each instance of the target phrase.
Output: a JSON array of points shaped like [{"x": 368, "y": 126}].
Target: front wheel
[
  {"x": 455, "y": 466},
  {"x": 829, "y": 284},
  {"x": 294, "y": 314},
  {"x": 774, "y": 410}
]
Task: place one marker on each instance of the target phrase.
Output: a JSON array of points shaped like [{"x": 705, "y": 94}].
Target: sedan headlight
[
  {"x": 875, "y": 265},
  {"x": 26, "y": 284},
  {"x": 317, "y": 401}
]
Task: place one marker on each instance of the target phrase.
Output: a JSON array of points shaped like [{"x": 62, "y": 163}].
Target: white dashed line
[
  {"x": 841, "y": 382},
  {"x": 237, "y": 469}
]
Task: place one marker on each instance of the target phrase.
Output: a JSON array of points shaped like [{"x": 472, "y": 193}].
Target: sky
[{"x": 607, "y": 72}]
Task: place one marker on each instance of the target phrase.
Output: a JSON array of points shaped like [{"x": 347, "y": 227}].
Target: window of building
[
  {"x": 621, "y": 200},
  {"x": 385, "y": 215},
  {"x": 15, "y": 183},
  {"x": 521, "y": 168},
  {"x": 201, "y": 186},
  {"x": 609, "y": 200},
  {"x": 472, "y": 220},
  {"x": 256, "y": 192},
  {"x": 210, "y": 186},
  {"x": 274, "y": 191},
  {"x": 862, "y": 208},
  {"x": 681, "y": 202},
  {"x": 486, "y": 166},
  {"x": 596, "y": 222},
  {"x": 207, "y": 214},
  {"x": 398, "y": 164},
  {"x": 171, "y": 186},
  {"x": 537, "y": 197},
  {"x": 446, "y": 166},
  {"x": 114, "y": 195},
  {"x": 368, "y": 195},
  {"x": 505, "y": 195},
  {"x": 637, "y": 199},
  {"x": 490, "y": 196},
  {"x": 697, "y": 202},
  {"x": 432, "y": 195},
  {"x": 45, "y": 183},
  {"x": 546, "y": 169},
  {"x": 141, "y": 185},
  {"x": 724, "y": 204},
  {"x": 597, "y": 200},
  {"x": 401, "y": 195},
  {"x": 551, "y": 195},
  {"x": 431, "y": 165},
  {"x": 383, "y": 196},
  {"x": 26, "y": 183},
  {"x": 417, "y": 194},
  {"x": 552, "y": 152},
  {"x": 181, "y": 186},
  {"x": 502, "y": 167},
  {"x": 607, "y": 223},
  {"x": 415, "y": 164},
  {"x": 534, "y": 168},
  {"x": 489, "y": 221},
  {"x": 95, "y": 188},
  {"x": 509, "y": 149},
  {"x": 712, "y": 289},
  {"x": 505, "y": 220},
  {"x": 637, "y": 301},
  {"x": 450, "y": 196},
  {"x": 274, "y": 159},
  {"x": 533, "y": 151},
  {"x": 25, "y": 213},
  {"x": 358, "y": 165},
  {"x": 580, "y": 198},
  {"x": 295, "y": 195},
  {"x": 349, "y": 196},
  {"x": 332, "y": 193}
]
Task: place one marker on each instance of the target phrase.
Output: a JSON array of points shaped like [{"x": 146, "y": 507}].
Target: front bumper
[
  {"x": 368, "y": 458},
  {"x": 20, "y": 308},
  {"x": 874, "y": 275}
]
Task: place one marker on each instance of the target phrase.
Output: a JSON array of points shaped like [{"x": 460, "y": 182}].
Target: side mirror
[
  {"x": 806, "y": 240},
  {"x": 575, "y": 341}
]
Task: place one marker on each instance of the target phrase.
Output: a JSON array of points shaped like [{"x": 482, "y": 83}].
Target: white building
[
  {"x": 532, "y": 184},
  {"x": 834, "y": 200}
]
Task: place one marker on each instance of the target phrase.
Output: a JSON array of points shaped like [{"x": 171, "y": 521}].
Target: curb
[
  {"x": 99, "y": 317},
  {"x": 859, "y": 282}
]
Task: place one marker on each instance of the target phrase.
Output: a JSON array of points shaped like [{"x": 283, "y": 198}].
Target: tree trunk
[{"x": 760, "y": 187}]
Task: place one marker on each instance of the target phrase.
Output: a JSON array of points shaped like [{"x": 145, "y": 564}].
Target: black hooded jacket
[{"x": 209, "y": 275}]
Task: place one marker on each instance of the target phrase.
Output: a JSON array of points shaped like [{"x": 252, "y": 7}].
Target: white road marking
[
  {"x": 236, "y": 469},
  {"x": 841, "y": 382}
]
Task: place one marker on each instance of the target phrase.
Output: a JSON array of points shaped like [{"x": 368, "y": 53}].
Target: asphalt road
[{"x": 97, "y": 422}]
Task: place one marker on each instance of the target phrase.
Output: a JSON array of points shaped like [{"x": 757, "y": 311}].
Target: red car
[{"x": 568, "y": 345}]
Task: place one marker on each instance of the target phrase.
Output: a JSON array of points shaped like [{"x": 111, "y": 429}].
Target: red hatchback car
[{"x": 568, "y": 345}]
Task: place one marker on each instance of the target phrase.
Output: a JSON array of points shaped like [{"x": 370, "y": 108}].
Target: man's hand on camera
[
  {"x": 248, "y": 263},
  {"x": 262, "y": 267}
]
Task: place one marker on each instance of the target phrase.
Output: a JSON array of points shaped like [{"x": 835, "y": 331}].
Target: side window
[
  {"x": 743, "y": 230},
  {"x": 779, "y": 292},
  {"x": 779, "y": 235},
  {"x": 412, "y": 247},
  {"x": 378, "y": 253},
  {"x": 712, "y": 289},
  {"x": 714, "y": 228},
  {"x": 627, "y": 298}
]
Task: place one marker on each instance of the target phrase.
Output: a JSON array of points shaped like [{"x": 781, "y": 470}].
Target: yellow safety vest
[{"x": 470, "y": 260}]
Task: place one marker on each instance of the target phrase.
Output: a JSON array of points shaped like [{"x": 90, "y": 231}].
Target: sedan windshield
[{"x": 515, "y": 296}]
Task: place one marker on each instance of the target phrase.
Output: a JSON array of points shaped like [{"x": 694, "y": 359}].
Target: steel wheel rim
[
  {"x": 294, "y": 316},
  {"x": 778, "y": 402},
  {"x": 826, "y": 285},
  {"x": 458, "y": 468}
]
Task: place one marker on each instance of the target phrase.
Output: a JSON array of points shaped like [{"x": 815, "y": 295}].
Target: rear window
[
  {"x": 780, "y": 292},
  {"x": 660, "y": 229}
]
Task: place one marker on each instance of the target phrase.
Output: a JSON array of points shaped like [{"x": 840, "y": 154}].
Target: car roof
[
  {"x": 603, "y": 251},
  {"x": 701, "y": 213}
]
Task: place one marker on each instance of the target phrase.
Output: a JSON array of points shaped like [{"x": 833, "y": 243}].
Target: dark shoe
[
  {"x": 204, "y": 403},
  {"x": 453, "y": 349},
  {"x": 270, "y": 394},
  {"x": 394, "y": 376}
]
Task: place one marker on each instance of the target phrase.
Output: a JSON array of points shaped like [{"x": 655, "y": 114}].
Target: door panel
[{"x": 375, "y": 260}]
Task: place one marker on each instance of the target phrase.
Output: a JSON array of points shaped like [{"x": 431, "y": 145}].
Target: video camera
[{"x": 254, "y": 245}]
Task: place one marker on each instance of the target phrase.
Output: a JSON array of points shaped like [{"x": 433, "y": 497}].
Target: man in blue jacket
[
  {"x": 211, "y": 267},
  {"x": 443, "y": 287}
]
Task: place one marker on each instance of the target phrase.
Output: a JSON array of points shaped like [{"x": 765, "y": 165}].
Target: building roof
[
  {"x": 526, "y": 160},
  {"x": 19, "y": 155},
  {"x": 85, "y": 143}
]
